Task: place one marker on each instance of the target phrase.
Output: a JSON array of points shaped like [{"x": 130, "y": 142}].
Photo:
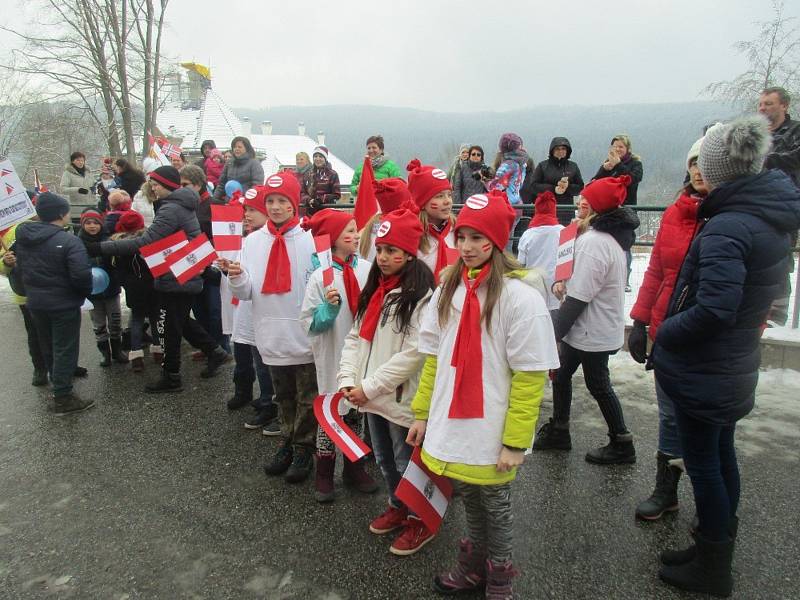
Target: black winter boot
[
  {"x": 105, "y": 352},
  {"x": 117, "y": 353},
  {"x": 708, "y": 572},
  {"x": 168, "y": 382},
  {"x": 70, "y": 403},
  {"x": 618, "y": 451},
  {"x": 301, "y": 466},
  {"x": 216, "y": 359},
  {"x": 680, "y": 557},
  {"x": 40, "y": 377},
  {"x": 242, "y": 393},
  {"x": 665, "y": 495},
  {"x": 281, "y": 460},
  {"x": 553, "y": 436}
]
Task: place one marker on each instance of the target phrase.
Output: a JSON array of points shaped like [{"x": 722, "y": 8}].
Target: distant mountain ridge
[{"x": 661, "y": 133}]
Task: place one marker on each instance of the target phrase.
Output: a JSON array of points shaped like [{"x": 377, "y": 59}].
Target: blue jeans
[
  {"x": 249, "y": 367},
  {"x": 391, "y": 452},
  {"x": 668, "y": 440},
  {"x": 710, "y": 459}
]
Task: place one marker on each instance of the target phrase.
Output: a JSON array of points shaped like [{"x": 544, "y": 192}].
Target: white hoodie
[{"x": 280, "y": 337}]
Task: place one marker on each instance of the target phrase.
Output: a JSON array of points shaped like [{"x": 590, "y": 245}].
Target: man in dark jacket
[
  {"x": 57, "y": 276},
  {"x": 785, "y": 152},
  {"x": 560, "y": 175},
  {"x": 177, "y": 213}
]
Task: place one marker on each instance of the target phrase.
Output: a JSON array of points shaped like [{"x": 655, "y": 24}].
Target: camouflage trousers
[{"x": 295, "y": 387}]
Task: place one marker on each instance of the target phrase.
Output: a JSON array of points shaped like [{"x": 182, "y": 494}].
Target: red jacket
[{"x": 678, "y": 228}]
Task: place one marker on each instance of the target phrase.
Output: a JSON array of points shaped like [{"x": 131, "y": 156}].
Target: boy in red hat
[
  {"x": 379, "y": 368},
  {"x": 476, "y": 410},
  {"x": 327, "y": 317},
  {"x": 538, "y": 246},
  {"x": 275, "y": 266}
]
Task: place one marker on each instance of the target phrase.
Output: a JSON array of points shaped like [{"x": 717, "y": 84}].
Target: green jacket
[{"x": 386, "y": 170}]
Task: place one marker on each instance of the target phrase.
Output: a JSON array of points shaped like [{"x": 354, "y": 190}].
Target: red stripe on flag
[
  {"x": 152, "y": 251},
  {"x": 326, "y": 409},
  {"x": 419, "y": 495},
  {"x": 200, "y": 263}
]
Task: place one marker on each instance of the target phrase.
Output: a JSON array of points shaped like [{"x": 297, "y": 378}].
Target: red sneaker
[
  {"x": 391, "y": 519},
  {"x": 413, "y": 537}
]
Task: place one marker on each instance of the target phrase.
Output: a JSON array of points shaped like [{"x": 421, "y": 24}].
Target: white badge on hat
[
  {"x": 438, "y": 174},
  {"x": 384, "y": 229},
  {"x": 477, "y": 202},
  {"x": 250, "y": 194},
  {"x": 275, "y": 181}
]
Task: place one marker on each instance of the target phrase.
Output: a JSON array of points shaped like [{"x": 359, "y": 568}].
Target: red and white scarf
[{"x": 278, "y": 277}]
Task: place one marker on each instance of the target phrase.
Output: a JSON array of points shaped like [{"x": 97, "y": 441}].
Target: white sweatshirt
[
  {"x": 280, "y": 337},
  {"x": 538, "y": 248},
  {"x": 429, "y": 257}
]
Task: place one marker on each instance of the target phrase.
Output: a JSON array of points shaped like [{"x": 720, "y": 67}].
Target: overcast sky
[{"x": 461, "y": 55}]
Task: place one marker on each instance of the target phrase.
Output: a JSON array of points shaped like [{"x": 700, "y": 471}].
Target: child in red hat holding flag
[
  {"x": 380, "y": 365},
  {"x": 475, "y": 410},
  {"x": 327, "y": 317},
  {"x": 273, "y": 272},
  {"x": 433, "y": 196}
]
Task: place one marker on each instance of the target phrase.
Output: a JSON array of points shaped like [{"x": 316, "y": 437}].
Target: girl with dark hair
[
  {"x": 381, "y": 165},
  {"x": 244, "y": 168},
  {"x": 128, "y": 178},
  {"x": 380, "y": 364}
]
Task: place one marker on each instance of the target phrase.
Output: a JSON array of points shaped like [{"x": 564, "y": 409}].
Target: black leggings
[{"x": 595, "y": 374}]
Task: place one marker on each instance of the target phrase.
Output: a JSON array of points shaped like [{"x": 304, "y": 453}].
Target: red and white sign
[
  {"x": 15, "y": 206},
  {"x": 226, "y": 227},
  {"x": 565, "y": 259},
  {"x": 326, "y": 409},
  {"x": 156, "y": 255},
  {"x": 424, "y": 492},
  {"x": 322, "y": 243},
  {"x": 477, "y": 202},
  {"x": 190, "y": 260},
  {"x": 438, "y": 174}
]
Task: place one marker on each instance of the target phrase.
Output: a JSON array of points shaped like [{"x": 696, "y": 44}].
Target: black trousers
[
  {"x": 34, "y": 348},
  {"x": 177, "y": 325},
  {"x": 59, "y": 339},
  {"x": 598, "y": 382}
]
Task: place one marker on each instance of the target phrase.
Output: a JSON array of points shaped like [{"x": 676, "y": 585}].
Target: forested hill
[{"x": 661, "y": 133}]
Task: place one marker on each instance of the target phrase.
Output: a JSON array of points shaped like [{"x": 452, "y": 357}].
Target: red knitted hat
[
  {"x": 391, "y": 193},
  {"x": 90, "y": 214},
  {"x": 545, "y": 210},
  {"x": 401, "y": 229},
  {"x": 286, "y": 184},
  {"x": 129, "y": 221},
  {"x": 256, "y": 197},
  {"x": 328, "y": 221},
  {"x": 490, "y": 214},
  {"x": 607, "y": 194},
  {"x": 425, "y": 181}
]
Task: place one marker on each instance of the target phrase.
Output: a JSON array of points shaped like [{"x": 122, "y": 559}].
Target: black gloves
[
  {"x": 93, "y": 248},
  {"x": 83, "y": 191},
  {"x": 637, "y": 342}
]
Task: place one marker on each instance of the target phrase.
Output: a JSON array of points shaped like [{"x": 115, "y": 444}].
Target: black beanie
[
  {"x": 167, "y": 176},
  {"x": 51, "y": 207}
]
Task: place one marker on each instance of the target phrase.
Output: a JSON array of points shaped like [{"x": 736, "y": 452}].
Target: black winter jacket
[
  {"x": 177, "y": 212},
  {"x": 102, "y": 262},
  {"x": 706, "y": 353},
  {"x": 632, "y": 167},
  {"x": 548, "y": 173},
  {"x": 785, "y": 153},
  {"x": 55, "y": 267}
]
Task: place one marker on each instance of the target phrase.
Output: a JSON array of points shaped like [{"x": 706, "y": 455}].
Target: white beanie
[
  {"x": 734, "y": 150},
  {"x": 694, "y": 152}
]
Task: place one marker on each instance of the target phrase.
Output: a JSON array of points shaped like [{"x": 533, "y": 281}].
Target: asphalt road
[{"x": 164, "y": 497}]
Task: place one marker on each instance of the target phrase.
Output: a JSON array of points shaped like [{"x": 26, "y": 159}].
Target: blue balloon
[
  {"x": 100, "y": 280},
  {"x": 232, "y": 186}
]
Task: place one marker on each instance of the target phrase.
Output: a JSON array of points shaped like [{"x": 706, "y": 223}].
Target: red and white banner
[
  {"x": 424, "y": 492},
  {"x": 156, "y": 152},
  {"x": 565, "y": 259},
  {"x": 322, "y": 244},
  {"x": 15, "y": 206},
  {"x": 326, "y": 409},
  {"x": 157, "y": 253},
  {"x": 226, "y": 227},
  {"x": 190, "y": 260}
]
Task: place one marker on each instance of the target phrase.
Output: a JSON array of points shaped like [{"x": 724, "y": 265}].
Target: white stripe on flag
[
  {"x": 418, "y": 478},
  {"x": 326, "y": 410},
  {"x": 157, "y": 258},
  {"x": 184, "y": 265},
  {"x": 224, "y": 228}
]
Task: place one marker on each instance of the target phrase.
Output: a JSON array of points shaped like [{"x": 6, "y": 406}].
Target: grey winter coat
[
  {"x": 177, "y": 212},
  {"x": 247, "y": 171},
  {"x": 55, "y": 267},
  {"x": 71, "y": 182},
  {"x": 464, "y": 184}
]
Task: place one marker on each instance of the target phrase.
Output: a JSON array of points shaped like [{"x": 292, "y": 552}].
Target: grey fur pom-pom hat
[{"x": 733, "y": 150}]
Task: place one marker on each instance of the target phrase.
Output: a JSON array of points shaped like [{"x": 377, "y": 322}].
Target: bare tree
[
  {"x": 774, "y": 57},
  {"x": 102, "y": 54}
]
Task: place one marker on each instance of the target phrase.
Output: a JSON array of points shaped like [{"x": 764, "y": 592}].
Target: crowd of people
[{"x": 436, "y": 335}]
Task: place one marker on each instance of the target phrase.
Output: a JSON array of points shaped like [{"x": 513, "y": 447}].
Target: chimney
[
  {"x": 301, "y": 128},
  {"x": 320, "y": 138},
  {"x": 247, "y": 127},
  {"x": 266, "y": 127}
]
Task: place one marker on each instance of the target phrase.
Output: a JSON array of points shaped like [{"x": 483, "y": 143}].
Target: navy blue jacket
[
  {"x": 706, "y": 353},
  {"x": 55, "y": 267}
]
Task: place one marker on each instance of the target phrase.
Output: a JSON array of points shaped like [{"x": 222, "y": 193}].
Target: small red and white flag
[
  {"x": 565, "y": 259},
  {"x": 322, "y": 244},
  {"x": 190, "y": 260},
  {"x": 424, "y": 492},
  {"x": 226, "y": 227},
  {"x": 157, "y": 253},
  {"x": 156, "y": 152},
  {"x": 326, "y": 409}
]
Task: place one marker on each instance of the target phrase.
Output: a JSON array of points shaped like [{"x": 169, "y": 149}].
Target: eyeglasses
[{"x": 475, "y": 154}]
